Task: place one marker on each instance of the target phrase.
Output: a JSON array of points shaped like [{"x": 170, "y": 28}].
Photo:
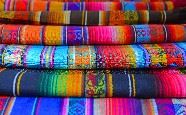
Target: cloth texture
[
  {"x": 140, "y": 83},
  {"x": 94, "y": 57},
  {"x": 94, "y": 17},
  {"x": 88, "y": 106},
  {"x": 38, "y": 5},
  {"x": 91, "y": 35}
]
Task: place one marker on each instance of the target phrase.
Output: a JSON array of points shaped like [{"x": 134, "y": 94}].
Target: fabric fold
[
  {"x": 140, "y": 83},
  {"x": 87, "y": 106},
  {"x": 91, "y": 35},
  {"x": 36, "y": 5},
  {"x": 94, "y": 57},
  {"x": 94, "y": 17}
]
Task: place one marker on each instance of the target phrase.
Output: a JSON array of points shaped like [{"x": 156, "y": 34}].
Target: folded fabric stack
[{"x": 92, "y": 57}]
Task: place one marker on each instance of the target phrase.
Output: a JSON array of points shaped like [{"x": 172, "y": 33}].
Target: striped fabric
[
  {"x": 91, "y": 35},
  {"x": 82, "y": 106},
  {"x": 94, "y": 17},
  {"x": 94, "y": 83},
  {"x": 35, "y": 5},
  {"x": 94, "y": 57}
]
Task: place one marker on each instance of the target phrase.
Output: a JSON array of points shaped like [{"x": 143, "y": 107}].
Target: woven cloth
[
  {"x": 177, "y": 3},
  {"x": 37, "y": 5},
  {"x": 94, "y": 17},
  {"x": 91, "y": 35},
  {"x": 94, "y": 57},
  {"x": 84, "y": 106},
  {"x": 94, "y": 83}
]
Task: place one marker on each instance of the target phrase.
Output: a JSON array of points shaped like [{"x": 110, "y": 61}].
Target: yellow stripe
[
  {"x": 110, "y": 85},
  {"x": 134, "y": 86},
  {"x": 83, "y": 17},
  {"x": 74, "y": 84},
  {"x": 2, "y": 5},
  {"x": 19, "y": 82}
]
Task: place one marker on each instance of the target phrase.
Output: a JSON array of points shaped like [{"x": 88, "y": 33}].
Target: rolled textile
[
  {"x": 35, "y": 5},
  {"x": 94, "y": 57},
  {"x": 89, "y": 106},
  {"x": 94, "y": 17},
  {"x": 140, "y": 83},
  {"x": 91, "y": 35}
]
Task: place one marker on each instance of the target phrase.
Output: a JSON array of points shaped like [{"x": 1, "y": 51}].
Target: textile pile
[{"x": 92, "y": 57}]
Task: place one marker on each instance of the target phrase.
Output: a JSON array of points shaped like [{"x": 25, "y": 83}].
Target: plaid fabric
[
  {"x": 94, "y": 57},
  {"x": 94, "y": 17},
  {"x": 82, "y": 106},
  {"x": 91, "y": 35},
  {"x": 141, "y": 83},
  {"x": 38, "y": 5}
]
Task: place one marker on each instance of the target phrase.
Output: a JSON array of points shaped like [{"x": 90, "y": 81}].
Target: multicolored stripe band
[
  {"x": 88, "y": 106},
  {"x": 94, "y": 17},
  {"x": 94, "y": 57},
  {"x": 94, "y": 83},
  {"x": 91, "y": 35},
  {"x": 37, "y": 5}
]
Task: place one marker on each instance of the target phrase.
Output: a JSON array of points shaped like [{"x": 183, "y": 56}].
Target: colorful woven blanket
[
  {"x": 38, "y": 5},
  {"x": 82, "y": 106},
  {"x": 94, "y": 17},
  {"x": 94, "y": 83},
  {"x": 94, "y": 57},
  {"x": 91, "y": 35}
]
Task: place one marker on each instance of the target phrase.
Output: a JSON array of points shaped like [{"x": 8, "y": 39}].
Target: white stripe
[
  {"x": 82, "y": 32},
  {"x": 155, "y": 107},
  {"x": 165, "y": 18},
  {"x": 38, "y": 18},
  {"x": 14, "y": 83},
  {"x": 100, "y": 17},
  {"x": 165, "y": 32},
  {"x": 148, "y": 17},
  {"x": 86, "y": 29},
  {"x": 130, "y": 88},
  {"x": 135, "y": 37}
]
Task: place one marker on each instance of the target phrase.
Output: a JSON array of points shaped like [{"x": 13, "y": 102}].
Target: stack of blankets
[{"x": 92, "y": 57}]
